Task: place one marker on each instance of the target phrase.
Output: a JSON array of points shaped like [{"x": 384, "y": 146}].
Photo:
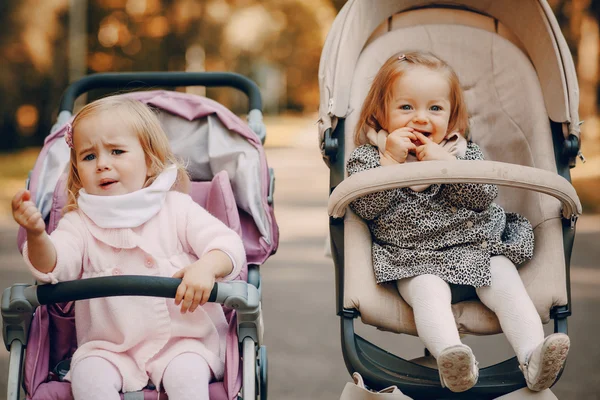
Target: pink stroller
[{"x": 230, "y": 178}]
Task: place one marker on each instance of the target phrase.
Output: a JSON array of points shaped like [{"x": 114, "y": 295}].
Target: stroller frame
[
  {"x": 20, "y": 300},
  {"x": 381, "y": 368}
]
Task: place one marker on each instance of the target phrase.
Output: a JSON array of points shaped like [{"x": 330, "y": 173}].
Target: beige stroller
[{"x": 522, "y": 94}]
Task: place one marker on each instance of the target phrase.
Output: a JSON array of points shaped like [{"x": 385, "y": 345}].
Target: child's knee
[
  {"x": 425, "y": 285},
  {"x": 505, "y": 276},
  {"x": 187, "y": 374},
  {"x": 95, "y": 378}
]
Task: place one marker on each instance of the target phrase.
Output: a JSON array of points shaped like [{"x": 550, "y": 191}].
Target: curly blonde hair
[
  {"x": 143, "y": 121},
  {"x": 373, "y": 115}
]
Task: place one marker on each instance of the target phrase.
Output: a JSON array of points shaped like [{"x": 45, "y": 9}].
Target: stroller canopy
[
  {"x": 208, "y": 138},
  {"x": 531, "y": 21}
]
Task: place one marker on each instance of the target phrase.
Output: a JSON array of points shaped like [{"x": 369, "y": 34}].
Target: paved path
[{"x": 302, "y": 331}]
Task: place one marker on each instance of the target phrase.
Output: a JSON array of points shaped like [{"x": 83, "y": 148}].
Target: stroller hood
[
  {"x": 530, "y": 21},
  {"x": 208, "y": 138}
]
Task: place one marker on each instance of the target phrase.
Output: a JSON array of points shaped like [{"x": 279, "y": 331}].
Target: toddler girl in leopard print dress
[{"x": 430, "y": 239}]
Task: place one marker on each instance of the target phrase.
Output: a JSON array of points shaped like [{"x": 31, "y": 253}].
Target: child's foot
[
  {"x": 545, "y": 362},
  {"x": 458, "y": 368}
]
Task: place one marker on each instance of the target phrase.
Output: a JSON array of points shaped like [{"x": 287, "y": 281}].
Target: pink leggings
[
  {"x": 186, "y": 377},
  {"x": 430, "y": 298}
]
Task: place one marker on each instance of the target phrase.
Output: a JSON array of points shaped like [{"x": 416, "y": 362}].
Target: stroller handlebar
[
  {"x": 109, "y": 286},
  {"x": 234, "y": 294},
  {"x": 446, "y": 172},
  {"x": 20, "y": 300},
  {"x": 171, "y": 79}
]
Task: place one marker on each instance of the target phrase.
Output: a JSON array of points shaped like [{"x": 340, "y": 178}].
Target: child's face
[
  {"x": 421, "y": 100},
  {"x": 110, "y": 158}
]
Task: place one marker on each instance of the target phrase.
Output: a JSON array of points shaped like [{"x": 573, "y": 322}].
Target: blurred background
[{"x": 46, "y": 44}]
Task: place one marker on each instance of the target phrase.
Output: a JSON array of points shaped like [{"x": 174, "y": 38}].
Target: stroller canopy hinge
[{"x": 574, "y": 218}]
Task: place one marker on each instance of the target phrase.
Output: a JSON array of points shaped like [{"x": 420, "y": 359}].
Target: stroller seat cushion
[
  {"x": 510, "y": 123},
  {"x": 380, "y": 304},
  {"x": 217, "y": 198}
]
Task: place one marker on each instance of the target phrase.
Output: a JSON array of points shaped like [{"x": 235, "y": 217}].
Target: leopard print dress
[{"x": 448, "y": 230}]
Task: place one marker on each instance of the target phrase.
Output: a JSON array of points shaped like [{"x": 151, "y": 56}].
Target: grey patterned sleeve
[
  {"x": 370, "y": 206},
  {"x": 474, "y": 196}
]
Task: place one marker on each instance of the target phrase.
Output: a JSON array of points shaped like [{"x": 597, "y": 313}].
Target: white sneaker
[
  {"x": 458, "y": 368},
  {"x": 545, "y": 362}
]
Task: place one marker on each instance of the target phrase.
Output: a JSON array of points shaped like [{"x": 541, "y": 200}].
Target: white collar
[{"x": 128, "y": 210}]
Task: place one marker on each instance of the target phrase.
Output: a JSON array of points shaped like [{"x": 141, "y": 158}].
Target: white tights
[
  {"x": 186, "y": 377},
  {"x": 430, "y": 298}
]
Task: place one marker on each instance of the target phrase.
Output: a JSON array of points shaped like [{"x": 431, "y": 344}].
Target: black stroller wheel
[{"x": 262, "y": 365}]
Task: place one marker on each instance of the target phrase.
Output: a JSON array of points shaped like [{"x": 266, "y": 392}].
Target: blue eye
[
  {"x": 405, "y": 107},
  {"x": 117, "y": 152},
  {"x": 89, "y": 157},
  {"x": 436, "y": 108}
]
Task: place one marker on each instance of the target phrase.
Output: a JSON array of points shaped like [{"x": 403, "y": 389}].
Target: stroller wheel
[
  {"x": 249, "y": 371},
  {"x": 262, "y": 372}
]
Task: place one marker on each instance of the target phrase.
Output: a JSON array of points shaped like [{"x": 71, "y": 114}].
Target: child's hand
[
  {"x": 399, "y": 143},
  {"x": 26, "y": 213},
  {"x": 198, "y": 280},
  {"x": 430, "y": 150}
]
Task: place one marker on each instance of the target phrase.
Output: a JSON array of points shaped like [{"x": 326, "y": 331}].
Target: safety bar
[
  {"x": 445, "y": 172},
  {"x": 132, "y": 80},
  {"x": 20, "y": 300}
]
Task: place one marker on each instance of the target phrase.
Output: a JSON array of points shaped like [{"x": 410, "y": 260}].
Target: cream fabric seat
[{"x": 508, "y": 121}]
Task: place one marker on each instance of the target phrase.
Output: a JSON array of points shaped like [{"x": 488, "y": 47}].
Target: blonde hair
[
  {"x": 143, "y": 121},
  {"x": 374, "y": 114}
]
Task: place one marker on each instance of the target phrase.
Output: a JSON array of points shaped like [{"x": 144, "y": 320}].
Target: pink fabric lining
[{"x": 217, "y": 197}]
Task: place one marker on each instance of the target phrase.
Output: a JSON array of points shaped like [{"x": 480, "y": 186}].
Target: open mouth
[
  {"x": 425, "y": 133},
  {"x": 107, "y": 183}
]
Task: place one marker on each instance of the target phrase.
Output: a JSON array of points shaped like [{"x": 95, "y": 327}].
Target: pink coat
[{"x": 141, "y": 335}]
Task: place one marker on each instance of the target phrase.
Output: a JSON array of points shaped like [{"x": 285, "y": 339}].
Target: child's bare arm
[{"x": 42, "y": 253}]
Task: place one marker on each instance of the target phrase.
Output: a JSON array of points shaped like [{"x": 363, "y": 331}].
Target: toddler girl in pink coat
[{"x": 123, "y": 217}]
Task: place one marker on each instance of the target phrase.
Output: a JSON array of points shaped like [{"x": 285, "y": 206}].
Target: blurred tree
[
  {"x": 276, "y": 42},
  {"x": 579, "y": 23},
  {"x": 32, "y": 75},
  {"x": 231, "y": 35},
  {"x": 338, "y": 4},
  {"x": 9, "y": 56}
]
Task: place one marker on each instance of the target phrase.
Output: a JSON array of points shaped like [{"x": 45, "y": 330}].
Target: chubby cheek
[
  {"x": 84, "y": 176},
  {"x": 396, "y": 123},
  {"x": 442, "y": 128}
]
